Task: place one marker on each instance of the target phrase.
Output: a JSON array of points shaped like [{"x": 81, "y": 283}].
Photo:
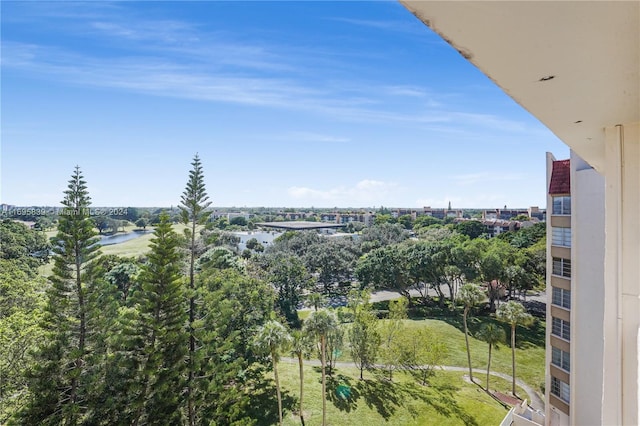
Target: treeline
[{"x": 185, "y": 333}]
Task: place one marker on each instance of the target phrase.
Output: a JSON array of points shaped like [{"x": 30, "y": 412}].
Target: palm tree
[
  {"x": 514, "y": 313},
  {"x": 273, "y": 337},
  {"x": 317, "y": 300},
  {"x": 491, "y": 334},
  {"x": 300, "y": 348},
  {"x": 319, "y": 324},
  {"x": 470, "y": 295}
]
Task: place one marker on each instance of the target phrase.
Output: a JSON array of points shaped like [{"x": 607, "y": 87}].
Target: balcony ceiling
[{"x": 575, "y": 65}]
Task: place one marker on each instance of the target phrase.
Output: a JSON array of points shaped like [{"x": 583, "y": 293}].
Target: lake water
[{"x": 107, "y": 240}]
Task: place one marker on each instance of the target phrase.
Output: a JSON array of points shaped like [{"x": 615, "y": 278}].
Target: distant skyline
[{"x": 288, "y": 104}]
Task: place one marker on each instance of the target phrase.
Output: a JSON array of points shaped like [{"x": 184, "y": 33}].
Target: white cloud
[{"x": 367, "y": 192}]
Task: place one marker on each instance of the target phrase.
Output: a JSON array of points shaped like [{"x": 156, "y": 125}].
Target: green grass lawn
[
  {"x": 135, "y": 247},
  {"x": 530, "y": 351},
  {"x": 446, "y": 400}
]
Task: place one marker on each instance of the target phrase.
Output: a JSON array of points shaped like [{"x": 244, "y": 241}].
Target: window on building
[
  {"x": 561, "y": 297},
  {"x": 561, "y": 328},
  {"x": 562, "y": 267},
  {"x": 561, "y": 236},
  {"x": 560, "y": 358},
  {"x": 560, "y": 389},
  {"x": 561, "y": 205}
]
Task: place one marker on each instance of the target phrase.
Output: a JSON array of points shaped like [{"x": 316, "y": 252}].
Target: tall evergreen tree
[
  {"x": 194, "y": 204},
  {"x": 162, "y": 337},
  {"x": 58, "y": 384},
  {"x": 231, "y": 307}
]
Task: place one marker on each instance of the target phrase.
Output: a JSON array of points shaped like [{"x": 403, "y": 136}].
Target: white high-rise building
[
  {"x": 575, "y": 65},
  {"x": 575, "y": 279}
]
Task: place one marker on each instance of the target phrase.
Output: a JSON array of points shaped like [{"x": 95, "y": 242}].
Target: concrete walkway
[{"x": 534, "y": 399}]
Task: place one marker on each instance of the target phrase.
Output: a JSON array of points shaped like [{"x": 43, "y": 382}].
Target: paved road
[
  {"x": 382, "y": 295},
  {"x": 534, "y": 399},
  {"x": 379, "y": 296}
]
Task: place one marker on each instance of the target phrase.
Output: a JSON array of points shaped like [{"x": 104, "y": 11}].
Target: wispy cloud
[
  {"x": 165, "y": 76},
  {"x": 172, "y": 58},
  {"x": 486, "y": 177},
  {"x": 366, "y": 192}
]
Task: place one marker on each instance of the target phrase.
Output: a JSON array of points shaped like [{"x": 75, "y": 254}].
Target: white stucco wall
[{"x": 587, "y": 292}]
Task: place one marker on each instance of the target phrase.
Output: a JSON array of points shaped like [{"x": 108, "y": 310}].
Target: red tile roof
[{"x": 560, "y": 178}]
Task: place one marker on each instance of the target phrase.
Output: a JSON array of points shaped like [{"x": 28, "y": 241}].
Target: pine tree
[
  {"x": 194, "y": 204},
  {"x": 59, "y": 377},
  {"x": 162, "y": 339}
]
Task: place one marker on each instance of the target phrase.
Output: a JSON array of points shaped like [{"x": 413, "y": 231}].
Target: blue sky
[{"x": 287, "y": 103}]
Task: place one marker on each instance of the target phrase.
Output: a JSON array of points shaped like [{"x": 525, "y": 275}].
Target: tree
[
  {"x": 273, "y": 338},
  {"x": 162, "y": 338},
  {"x": 420, "y": 352},
  {"x": 493, "y": 335},
  {"x": 425, "y": 222},
  {"x": 471, "y": 228},
  {"x": 319, "y": 324},
  {"x": 193, "y": 209},
  {"x": 316, "y": 300},
  {"x": 219, "y": 258},
  {"x": 364, "y": 338},
  {"x": 123, "y": 276},
  {"x": 102, "y": 223},
  {"x": 21, "y": 308},
  {"x": 514, "y": 314},
  {"x": 384, "y": 218},
  {"x": 232, "y": 305},
  {"x": 23, "y": 245},
  {"x": 301, "y": 349},
  {"x": 332, "y": 260},
  {"x": 381, "y": 235},
  {"x": 406, "y": 221},
  {"x": 290, "y": 278},
  {"x": 392, "y": 329},
  {"x": 59, "y": 377},
  {"x": 252, "y": 243},
  {"x": 470, "y": 295},
  {"x": 142, "y": 223},
  {"x": 425, "y": 266},
  {"x": 334, "y": 343},
  {"x": 238, "y": 220},
  {"x": 385, "y": 268}
]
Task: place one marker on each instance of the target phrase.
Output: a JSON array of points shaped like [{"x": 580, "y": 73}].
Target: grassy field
[
  {"x": 530, "y": 351},
  {"x": 132, "y": 248},
  {"x": 446, "y": 400}
]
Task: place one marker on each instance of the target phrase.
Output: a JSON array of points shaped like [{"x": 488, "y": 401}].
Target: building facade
[{"x": 575, "y": 278}]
